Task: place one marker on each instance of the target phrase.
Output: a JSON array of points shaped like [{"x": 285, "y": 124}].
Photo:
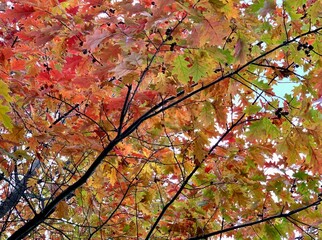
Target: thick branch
[
  {"x": 223, "y": 136},
  {"x": 162, "y": 106},
  {"x": 18, "y": 190}
]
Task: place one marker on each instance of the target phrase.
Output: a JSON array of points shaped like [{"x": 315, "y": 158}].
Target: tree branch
[
  {"x": 39, "y": 218},
  {"x": 281, "y": 215},
  {"x": 18, "y": 190}
]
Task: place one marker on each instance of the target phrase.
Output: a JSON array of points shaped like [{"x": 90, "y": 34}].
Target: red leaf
[
  {"x": 207, "y": 169},
  {"x": 114, "y": 104},
  {"x": 72, "y": 62},
  {"x": 83, "y": 81},
  {"x": 146, "y": 96},
  {"x": 230, "y": 137},
  {"x": 72, "y": 10},
  {"x": 18, "y": 12}
]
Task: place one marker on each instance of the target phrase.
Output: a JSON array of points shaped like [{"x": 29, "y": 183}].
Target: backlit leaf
[{"x": 181, "y": 69}]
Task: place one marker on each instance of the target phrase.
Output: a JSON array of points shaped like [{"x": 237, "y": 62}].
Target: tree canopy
[{"x": 164, "y": 119}]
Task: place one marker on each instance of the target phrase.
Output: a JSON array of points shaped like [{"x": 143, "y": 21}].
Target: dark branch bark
[
  {"x": 281, "y": 215},
  {"x": 18, "y": 190},
  {"x": 228, "y": 130},
  {"x": 162, "y": 106},
  {"x": 185, "y": 182}
]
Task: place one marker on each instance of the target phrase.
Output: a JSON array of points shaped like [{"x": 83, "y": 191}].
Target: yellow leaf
[
  {"x": 130, "y": 77},
  {"x": 16, "y": 135},
  {"x": 147, "y": 197},
  {"x": 199, "y": 148},
  {"x": 144, "y": 209},
  {"x": 4, "y": 118},
  {"x": 22, "y": 154},
  {"x": 31, "y": 182},
  {"x": 112, "y": 176},
  {"x": 4, "y": 91},
  {"x": 146, "y": 174},
  {"x": 225, "y": 6}
]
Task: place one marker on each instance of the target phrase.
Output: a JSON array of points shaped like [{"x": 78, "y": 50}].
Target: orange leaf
[
  {"x": 17, "y": 65},
  {"x": 62, "y": 209}
]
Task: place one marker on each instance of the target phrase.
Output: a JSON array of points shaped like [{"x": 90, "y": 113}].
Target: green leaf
[
  {"x": 261, "y": 85},
  {"x": 4, "y": 91},
  {"x": 181, "y": 69},
  {"x": 300, "y": 175},
  {"x": 201, "y": 65},
  {"x": 263, "y": 128},
  {"x": 255, "y": 7},
  {"x": 291, "y": 6},
  {"x": 271, "y": 232},
  {"x": 207, "y": 114},
  {"x": 4, "y": 118},
  {"x": 197, "y": 71},
  {"x": 252, "y": 109},
  {"x": 126, "y": 228},
  {"x": 303, "y": 189},
  {"x": 4, "y": 107},
  {"x": 220, "y": 55}
]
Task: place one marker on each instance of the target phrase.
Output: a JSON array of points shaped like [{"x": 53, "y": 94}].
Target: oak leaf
[
  {"x": 97, "y": 37},
  {"x": 62, "y": 209},
  {"x": 17, "y": 12},
  {"x": 240, "y": 51}
]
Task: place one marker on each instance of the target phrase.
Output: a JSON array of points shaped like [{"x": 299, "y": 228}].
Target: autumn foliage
[{"x": 160, "y": 119}]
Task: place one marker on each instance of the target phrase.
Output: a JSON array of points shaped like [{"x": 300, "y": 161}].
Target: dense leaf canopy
[{"x": 165, "y": 119}]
